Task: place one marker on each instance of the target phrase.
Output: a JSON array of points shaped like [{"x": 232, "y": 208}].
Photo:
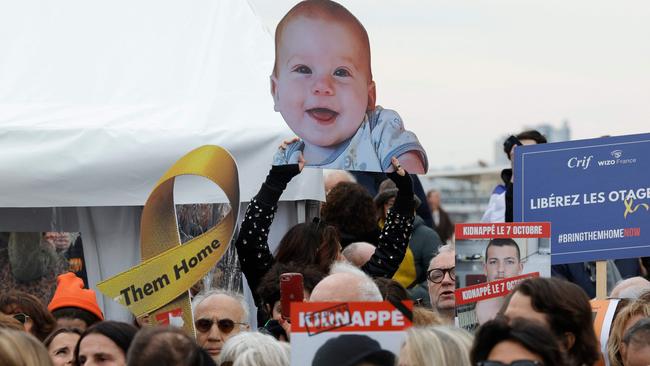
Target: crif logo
[
  {"x": 582, "y": 162},
  {"x": 616, "y": 154}
]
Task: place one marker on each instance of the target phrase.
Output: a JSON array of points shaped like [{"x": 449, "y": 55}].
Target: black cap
[{"x": 350, "y": 349}]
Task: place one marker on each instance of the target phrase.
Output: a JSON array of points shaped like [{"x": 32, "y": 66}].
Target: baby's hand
[
  {"x": 281, "y": 157},
  {"x": 288, "y": 142}
]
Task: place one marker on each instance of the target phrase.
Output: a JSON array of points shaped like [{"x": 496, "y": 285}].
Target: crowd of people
[{"x": 340, "y": 261}]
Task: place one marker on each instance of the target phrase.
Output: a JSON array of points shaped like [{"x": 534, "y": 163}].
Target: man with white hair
[
  {"x": 442, "y": 282},
  {"x": 218, "y": 315},
  {"x": 630, "y": 288},
  {"x": 346, "y": 283}
]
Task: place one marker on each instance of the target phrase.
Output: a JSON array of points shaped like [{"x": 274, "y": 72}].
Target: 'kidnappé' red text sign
[
  {"x": 335, "y": 328},
  {"x": 503, "y": 230},
  {"x": 489, "y": 290}
]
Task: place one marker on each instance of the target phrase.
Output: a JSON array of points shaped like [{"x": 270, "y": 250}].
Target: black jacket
[{"x": 255, "y": 256}]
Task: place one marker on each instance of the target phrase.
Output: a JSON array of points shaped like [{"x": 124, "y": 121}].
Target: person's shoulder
[
  {"x": 381, "y": 117},
  {"x": 391, "y": 139},
  {"x": 499, "y": 189}
]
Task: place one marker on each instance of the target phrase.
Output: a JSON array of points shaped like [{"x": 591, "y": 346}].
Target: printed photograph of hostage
[
  {"x": 502, "y": 260},
  {"x": 489, "y": 269},
  {"x": 322, "y": 85}
]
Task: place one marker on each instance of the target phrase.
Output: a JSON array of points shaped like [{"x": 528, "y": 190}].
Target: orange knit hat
[{"x": 70, "y": 292}]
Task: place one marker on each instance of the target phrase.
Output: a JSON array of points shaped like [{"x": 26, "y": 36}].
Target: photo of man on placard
[
  {"x": 502, "y": 259},
  {"x": 489, "y": 267}
]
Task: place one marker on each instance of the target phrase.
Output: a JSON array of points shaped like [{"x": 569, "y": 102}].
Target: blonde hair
[
  {"x": 438, "y": 345},
  {"x": 18, "y": 348},
  {"x": 423, "y": 317},
  {"x": 9, "y": 322},
  {"x": 638, "y": 307}
]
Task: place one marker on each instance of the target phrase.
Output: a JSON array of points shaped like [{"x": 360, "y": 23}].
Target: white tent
[{"x": 98, "y": 99}]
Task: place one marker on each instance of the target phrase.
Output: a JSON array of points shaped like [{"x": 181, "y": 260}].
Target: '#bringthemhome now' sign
[{"x": 595, "y": 193}]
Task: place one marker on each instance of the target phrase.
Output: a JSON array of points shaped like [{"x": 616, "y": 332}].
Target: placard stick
[{"x": 601, "y": 280}]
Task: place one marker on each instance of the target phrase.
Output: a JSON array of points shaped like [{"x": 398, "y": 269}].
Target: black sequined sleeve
[
  {"x": 252, "y": 243},
  {"x": 395, "y": 236}
]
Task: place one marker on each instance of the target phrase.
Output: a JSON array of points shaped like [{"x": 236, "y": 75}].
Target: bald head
[
  {"x": 359, "y": 253},
  {"x": 346, "y": 283},
  {"x": 334, "y": 177}
]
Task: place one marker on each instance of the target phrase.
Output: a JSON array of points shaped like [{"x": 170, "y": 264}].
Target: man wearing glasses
[
  {"x": 218, "y": 315},
  {"x": 442, "y": 282}
]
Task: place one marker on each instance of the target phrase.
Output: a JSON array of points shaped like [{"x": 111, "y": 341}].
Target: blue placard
[{"x": 595, "y": 193}]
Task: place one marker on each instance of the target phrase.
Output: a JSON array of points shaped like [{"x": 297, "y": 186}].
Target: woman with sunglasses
[
  {"x": 317, "y": 243},
  {"x": 105, "y": 343},
  {"x": 521, "y": 342},
  {"x": 29, "y": 311}
]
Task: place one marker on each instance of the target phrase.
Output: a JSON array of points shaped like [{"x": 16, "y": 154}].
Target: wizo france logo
[{"x": 617, "y": 159}]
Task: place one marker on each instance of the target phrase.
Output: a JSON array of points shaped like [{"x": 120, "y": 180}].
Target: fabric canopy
[{"x": 98, "y": 99}]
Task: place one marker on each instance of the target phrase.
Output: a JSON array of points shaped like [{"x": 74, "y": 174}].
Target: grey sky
[{"x": 462, "y": 73}]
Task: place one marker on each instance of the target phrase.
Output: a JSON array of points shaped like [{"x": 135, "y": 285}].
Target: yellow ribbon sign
[
  {"x": 169, "y": 269},
  {"x": 630, "y": 210}
]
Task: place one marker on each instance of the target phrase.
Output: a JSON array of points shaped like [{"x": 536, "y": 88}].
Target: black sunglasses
[
  {"x": 204, "y": 325},
  {"x": 21, "y": 317},
  {"x": 437, "y": 274},
  {"x": 513, "y": 363}
]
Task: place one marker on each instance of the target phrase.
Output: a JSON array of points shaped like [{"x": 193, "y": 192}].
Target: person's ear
[
  {"x": 372, "y": 96},
  {"x": 274, "y": 92}
]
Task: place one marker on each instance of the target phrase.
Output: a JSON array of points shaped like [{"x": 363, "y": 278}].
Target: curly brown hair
[
  {"x": 14, "y": 302},
  {"x": 310, "y": 243},
  {"x": 350, "y": 208}
]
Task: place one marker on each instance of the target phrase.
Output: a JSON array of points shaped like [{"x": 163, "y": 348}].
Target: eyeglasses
[
  {"x": 225, "y": 325},
  {"x": 437, "y": 274},
  {"x": 513, "y": 363},
  {"x": 21, "y": 317}
]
